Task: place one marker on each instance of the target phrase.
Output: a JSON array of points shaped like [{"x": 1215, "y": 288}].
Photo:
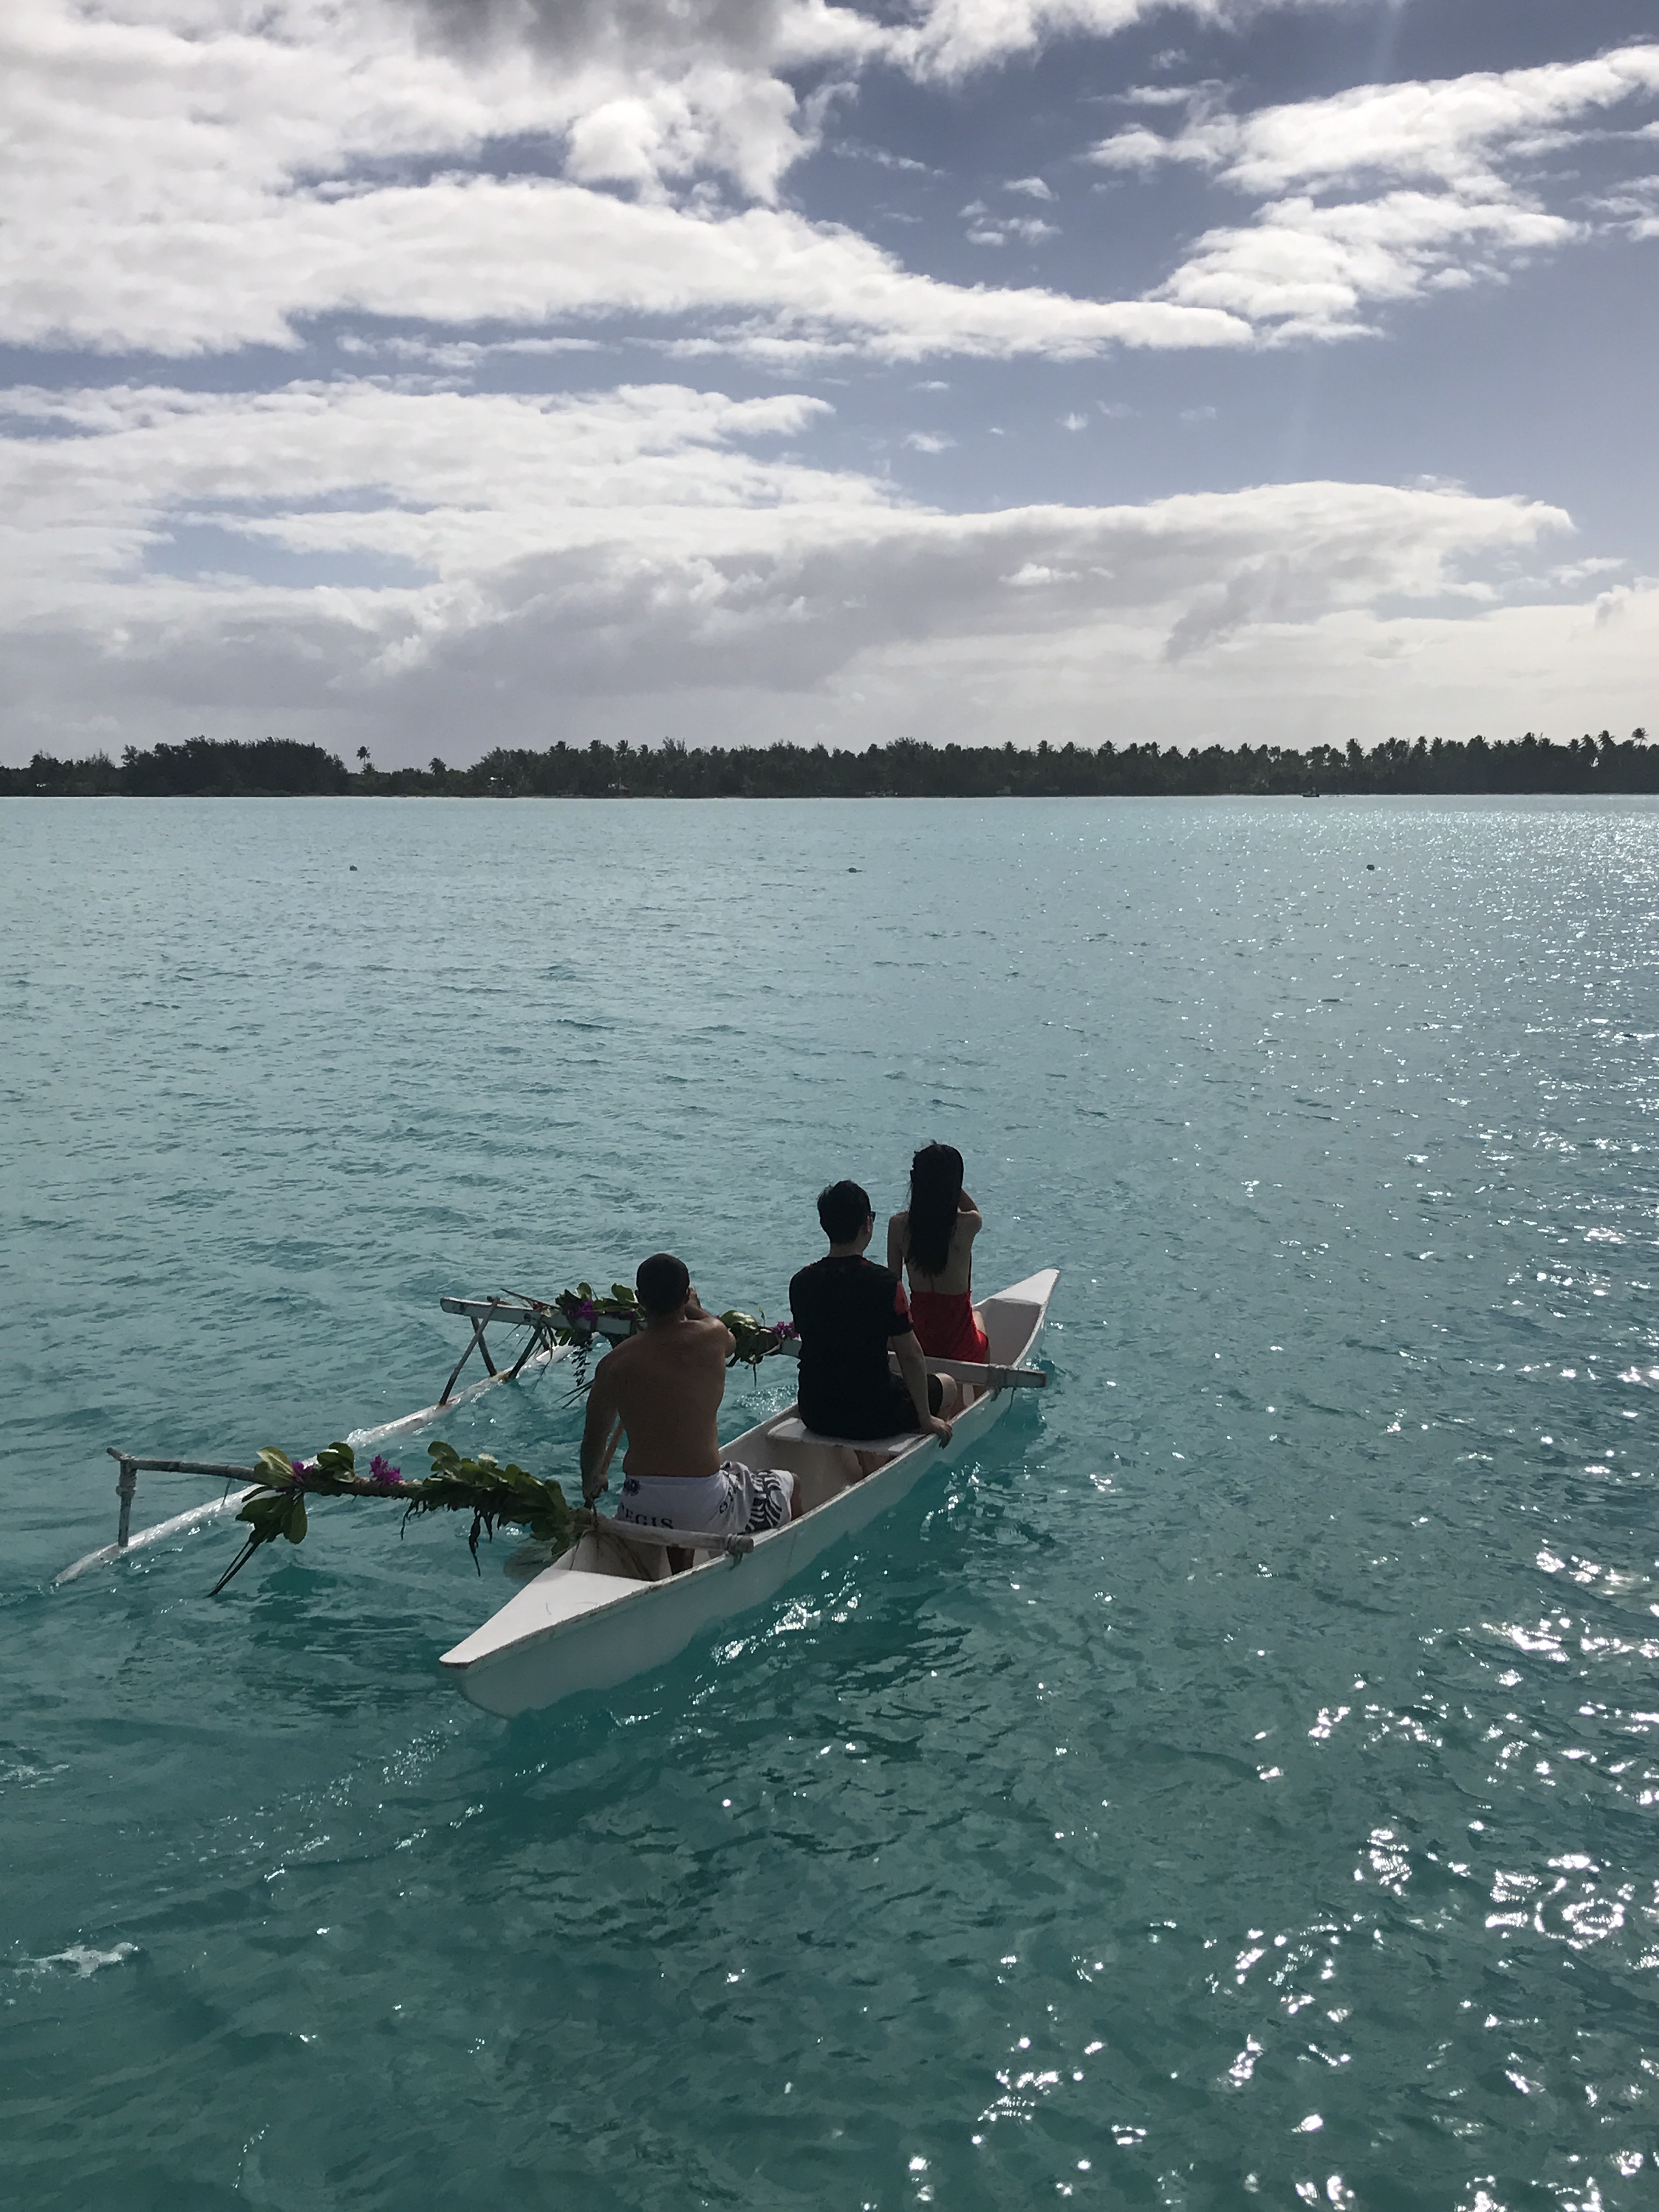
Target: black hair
[
  {"x": 662, "y": 1283},
  {"x": 843, "y": 1209},
  {"x": 935, "y": 1198}
]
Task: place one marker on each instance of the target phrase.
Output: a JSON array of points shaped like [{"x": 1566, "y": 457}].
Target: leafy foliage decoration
[
  {"x": 481, "y": 1486},
  {"x": 584, "y": 1313},
  {"x": 757, "y": 1339},
  {"x": 492, "y": 1493}
]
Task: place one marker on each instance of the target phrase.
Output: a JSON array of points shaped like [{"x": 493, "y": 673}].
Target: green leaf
[
  {"x": 277, "y": 1466},
  {"x": 294, "y": 1521},
  {"x": 265, "y": 1514}
]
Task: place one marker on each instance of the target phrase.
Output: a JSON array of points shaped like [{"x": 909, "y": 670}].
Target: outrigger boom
[{"x": 541, "y": 1349}]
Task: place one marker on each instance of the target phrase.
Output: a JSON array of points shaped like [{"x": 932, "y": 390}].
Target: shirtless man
[{"x": 663, "y": 1388}]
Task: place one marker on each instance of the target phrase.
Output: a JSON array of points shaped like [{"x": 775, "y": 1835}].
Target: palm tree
[{"x": 363, "y": 757}]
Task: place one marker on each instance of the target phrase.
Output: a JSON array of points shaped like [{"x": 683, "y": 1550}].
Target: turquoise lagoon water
[{"x": 1234, "y": 1785}]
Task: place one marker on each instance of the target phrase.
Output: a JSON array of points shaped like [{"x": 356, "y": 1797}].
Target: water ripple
[{"x": 1236, "y": 1785}]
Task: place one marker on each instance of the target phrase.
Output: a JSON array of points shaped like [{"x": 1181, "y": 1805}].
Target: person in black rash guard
[{"x": 850, "y": 1314}]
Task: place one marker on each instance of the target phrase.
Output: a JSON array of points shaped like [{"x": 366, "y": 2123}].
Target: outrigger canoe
[{"x": 608, "y": 1610}]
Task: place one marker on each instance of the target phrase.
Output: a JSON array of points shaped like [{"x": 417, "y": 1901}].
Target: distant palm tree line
[{"x": 277, "y": 767}]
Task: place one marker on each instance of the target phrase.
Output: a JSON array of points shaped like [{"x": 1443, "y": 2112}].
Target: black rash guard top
[{"x": 848, "y": 1311}]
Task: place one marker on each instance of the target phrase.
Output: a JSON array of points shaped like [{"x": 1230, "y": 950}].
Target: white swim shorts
[{"x": 735, "y": 1500}]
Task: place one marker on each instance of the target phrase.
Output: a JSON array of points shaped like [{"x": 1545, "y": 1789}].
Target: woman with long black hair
[{"x": 933, "y": 1243}]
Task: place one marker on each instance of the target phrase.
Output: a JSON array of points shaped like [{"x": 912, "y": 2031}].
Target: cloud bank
[
  {"x": 553, "y": 562},
  {"x": 231, "y": 173}
]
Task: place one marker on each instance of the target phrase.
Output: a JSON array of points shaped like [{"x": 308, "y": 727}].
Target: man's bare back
[{"x": 663, "y": 1388}]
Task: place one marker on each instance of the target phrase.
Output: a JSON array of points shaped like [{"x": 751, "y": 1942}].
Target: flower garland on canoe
[{"x": 492, "y": 1493}]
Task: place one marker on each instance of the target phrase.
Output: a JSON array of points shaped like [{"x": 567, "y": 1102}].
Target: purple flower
[
  {"x": 383, "y": 1471},
  {"x": 303, "y": 1467},
  {"x": 587, "y": 1309}
]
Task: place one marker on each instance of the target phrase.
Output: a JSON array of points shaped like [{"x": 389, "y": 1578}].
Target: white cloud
[
  {"x": 1451, "y": 131},
  {"x": 1033, "y": 187},
  {"x": 1439, "y": 212},
  {"x": 1312, "y": 271},
  {"x": 1568, "y": 575},
  {"x": 884, "y": 159},
  {"x": 1155, "y": 95},
  {"x": 1142, "y": 150},
  {"x": 459, "y": 356},
  {"x": 93, "y": 483},
  {"x": 998, "y": 230},
  {"x": 531, "y": 251},
  {"x": 952, "y": 39}
]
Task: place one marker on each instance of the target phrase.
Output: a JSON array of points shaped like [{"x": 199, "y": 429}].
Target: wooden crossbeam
[
  {"x": 213, "y": 1467},
  {"x": 478, "y": 1328},
  {"x": 519, "y": 1313},
  {"x": 989, "y": 1376},
  {"x": 677, "y": 1540}
]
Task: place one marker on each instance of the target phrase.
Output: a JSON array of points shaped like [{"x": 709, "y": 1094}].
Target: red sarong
[{"x": 946, "y": 1326}]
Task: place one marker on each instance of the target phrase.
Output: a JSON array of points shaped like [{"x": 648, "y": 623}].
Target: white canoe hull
[{"x": 577, "y": 1628}]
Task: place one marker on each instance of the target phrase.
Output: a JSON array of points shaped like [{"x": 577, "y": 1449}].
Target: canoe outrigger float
[{"x": 607, "y": 1608}]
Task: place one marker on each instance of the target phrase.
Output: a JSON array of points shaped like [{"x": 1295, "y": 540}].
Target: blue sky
[{"x": 430, "y": 374}]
